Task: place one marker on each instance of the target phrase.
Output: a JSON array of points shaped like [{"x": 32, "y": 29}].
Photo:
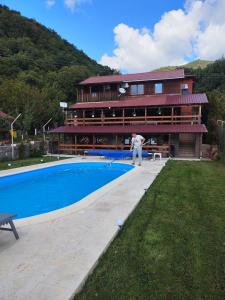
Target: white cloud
[
  {"x": 72, "y": 4},
  {"x": 50, "y": 3},
  {"x": 196, "y": 31},
  {"x": 211, "y": 42}
]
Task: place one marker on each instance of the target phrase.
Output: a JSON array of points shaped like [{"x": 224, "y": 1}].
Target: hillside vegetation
[
  {"x": 211, "y": 80},
  {"x": 38, "y": 69},
  {"x": 196, "y": 64},
  {"x": 199, "y": 63}
]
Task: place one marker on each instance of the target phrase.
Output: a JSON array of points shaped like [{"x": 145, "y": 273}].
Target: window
[
  {"x": 137, "y": 89},
  {"x": 158, "y": 88},
  {"x": 184, "y": 89}
]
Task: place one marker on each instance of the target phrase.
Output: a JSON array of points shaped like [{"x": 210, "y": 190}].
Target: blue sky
[
  {"x": 90, "y": 26},
  {"x": 148, "y": 33}
]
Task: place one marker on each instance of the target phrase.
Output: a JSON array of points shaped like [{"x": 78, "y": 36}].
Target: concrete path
[{"x": 56, "y": 251}]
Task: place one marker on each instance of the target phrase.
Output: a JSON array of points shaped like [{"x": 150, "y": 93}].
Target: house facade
[{"x": 159, "y": 105}]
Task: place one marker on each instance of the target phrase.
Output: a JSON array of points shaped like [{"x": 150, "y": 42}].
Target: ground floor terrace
[{"x": 174, "y": 141}]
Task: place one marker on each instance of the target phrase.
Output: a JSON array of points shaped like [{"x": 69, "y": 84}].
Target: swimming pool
[{"x": 43, "y": 190}]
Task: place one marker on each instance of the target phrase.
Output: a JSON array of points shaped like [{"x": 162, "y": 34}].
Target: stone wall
[
  {"x": 6, "y": 152},
  {"x": 25, "y": 150}
]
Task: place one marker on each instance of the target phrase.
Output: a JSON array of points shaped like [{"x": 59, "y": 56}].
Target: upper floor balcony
[
  {"x": 97, "y": 96},
  {"x": 141, "y": 120},
  {"x": 134, "y": 116}
]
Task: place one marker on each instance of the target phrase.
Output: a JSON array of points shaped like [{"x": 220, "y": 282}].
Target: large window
[
  {"x": 158, "y": 88},
  {"x": 137, "y": 89}
]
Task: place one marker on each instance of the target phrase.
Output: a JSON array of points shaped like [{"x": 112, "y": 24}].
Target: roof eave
[{"x": 130, "y": 81}]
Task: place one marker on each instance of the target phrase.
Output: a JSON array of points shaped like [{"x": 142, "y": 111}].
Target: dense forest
[
  {"x": 38, "y": 69},
  {"x": 211, "y": 80}
]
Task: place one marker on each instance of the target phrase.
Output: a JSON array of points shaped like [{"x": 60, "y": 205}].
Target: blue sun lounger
[{"x": 114, "y": 154}]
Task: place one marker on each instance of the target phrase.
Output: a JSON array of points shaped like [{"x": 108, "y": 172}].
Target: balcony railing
[
  {"x": 143, "y": 120},
  {"x": 99, "y": 96},
  {"x": 81, "y": 147}
]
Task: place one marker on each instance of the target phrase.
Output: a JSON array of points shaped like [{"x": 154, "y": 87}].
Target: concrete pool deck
[{"x": 56, "y": 251}]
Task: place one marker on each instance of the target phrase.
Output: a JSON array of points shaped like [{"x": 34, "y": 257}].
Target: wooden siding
[{"x": 97, "y": 93}]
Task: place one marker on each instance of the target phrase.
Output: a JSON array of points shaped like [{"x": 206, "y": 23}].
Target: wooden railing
[
  {"x": 79, "y": 147},
  {"x": 143, "y": 120},
  {"x": 99, "y": 96}
]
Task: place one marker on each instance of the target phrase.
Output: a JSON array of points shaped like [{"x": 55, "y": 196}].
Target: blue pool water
[{"x": 40, "y": 191}]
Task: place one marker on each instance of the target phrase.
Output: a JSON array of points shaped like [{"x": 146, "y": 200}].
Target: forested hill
[
  {"x": 38, "y": 69},
  {"x": 211, "y": 80}
]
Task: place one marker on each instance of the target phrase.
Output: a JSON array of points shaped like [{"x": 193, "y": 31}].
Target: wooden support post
[
  {"x": 172, "y": 114},
  {"x": 82, "y": 95},
  {"x": 75, "y": 144},
  {"x": 123, "y": 116},
  {"x": 145, "y": 115},
  {"x": 116, "y": 141},
  {"x": 84, "y": 117},
  {"x": 93, "y": 141},
  {"x": 102, "y": 117},
  {"x": 199, "y": 114}
]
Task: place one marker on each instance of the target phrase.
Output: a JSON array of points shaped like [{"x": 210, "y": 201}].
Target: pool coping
[{"x": 72, "y": 208}]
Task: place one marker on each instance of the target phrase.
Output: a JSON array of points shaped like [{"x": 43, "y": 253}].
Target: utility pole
[{"x": 12, "y": 141}]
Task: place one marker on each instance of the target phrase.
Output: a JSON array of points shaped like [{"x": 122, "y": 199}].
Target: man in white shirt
[{"x": 137, "y": 142}]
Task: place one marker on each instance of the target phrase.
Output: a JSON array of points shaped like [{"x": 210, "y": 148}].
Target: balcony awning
[
  {"x": 146, "y": 101},
  {"x": 200, "y": 128}
]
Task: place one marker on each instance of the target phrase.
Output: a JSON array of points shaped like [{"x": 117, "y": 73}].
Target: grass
[
  {"x": 27, "y": 162},
  {"x": 173, "y": 245}
]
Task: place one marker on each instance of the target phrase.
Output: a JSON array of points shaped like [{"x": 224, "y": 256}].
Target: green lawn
[
  {"x": 26, "y": 162},
  {"x": 173, "y": 245}
]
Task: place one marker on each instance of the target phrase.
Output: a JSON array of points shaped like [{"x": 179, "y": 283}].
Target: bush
[
  {"x": 36, "y": 150},
  {"x": 22, "y": 151}
]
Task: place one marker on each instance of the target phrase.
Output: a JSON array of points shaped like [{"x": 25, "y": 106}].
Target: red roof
[
  {"x": 5, "y": 116},
  {"x": 159, "y": 100},
  {"x": 155, "y": 75},
  {"x": 134, "y": 128}
]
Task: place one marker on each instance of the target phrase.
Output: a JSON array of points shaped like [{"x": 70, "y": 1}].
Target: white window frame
[
  {"x": 157, "y": 85},
  {"x": 137, "y": 87}
]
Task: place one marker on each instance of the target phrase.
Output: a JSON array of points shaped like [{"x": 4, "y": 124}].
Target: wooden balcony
[
  {"x": 142, "y": 120},
  {"x": 99, "y": 96},
  {"x": 165, "y": 149}
]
